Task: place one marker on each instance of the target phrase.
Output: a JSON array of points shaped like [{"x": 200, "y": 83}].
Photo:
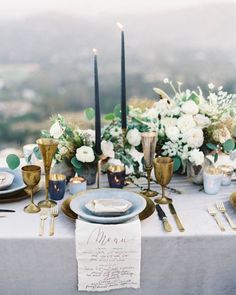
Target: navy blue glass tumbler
[{"x": 57, "y": 186}]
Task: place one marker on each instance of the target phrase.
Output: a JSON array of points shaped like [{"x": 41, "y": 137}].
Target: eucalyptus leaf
[
  {"x": 37, "y": 153},
  {"x": 216, "y": 157},
  {"x": 229, "y": 145},
  {"x": 109, "y": 117},
  {"x": 117, "y": 111},
  {"x": 177, "y": 163},
  {"x": 89, "y": 113},
  {"x": 212, "y": 146},
  {"x": 13, "y": 161},
  {"x": 77, "y": 164}
]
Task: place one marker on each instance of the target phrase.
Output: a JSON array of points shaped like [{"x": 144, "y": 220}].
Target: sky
[{"x": 12, "y": 9}]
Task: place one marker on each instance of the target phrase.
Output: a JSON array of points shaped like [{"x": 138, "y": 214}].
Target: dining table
[{"x": 200, "y": 260}]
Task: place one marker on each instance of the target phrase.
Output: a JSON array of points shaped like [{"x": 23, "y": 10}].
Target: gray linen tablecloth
[{"x": 202, "y": 260}]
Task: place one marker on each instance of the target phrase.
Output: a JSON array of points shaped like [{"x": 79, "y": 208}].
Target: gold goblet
[
  {"x": 149, "y": 140},
  {"x": 163, "y": 167},
  {"x": 31, "y": 176},
  {"x": 47, "y": 147}
]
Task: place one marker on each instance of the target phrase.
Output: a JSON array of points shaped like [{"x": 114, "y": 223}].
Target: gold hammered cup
[
  {"x": 163, "y": 167},
  {"x": 149, "y": 140},
  {"x": 48, "y": 148}
]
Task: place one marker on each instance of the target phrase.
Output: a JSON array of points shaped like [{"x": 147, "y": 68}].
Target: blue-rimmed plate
[
  {"x": 77, "y": 204},
  {"x": 17, "y": 183}
]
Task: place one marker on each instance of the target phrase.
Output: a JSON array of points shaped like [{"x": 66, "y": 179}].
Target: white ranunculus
[
  {"x": 190, "y": 107},
  {"x": 85, "y": 154},
  {"x": 172, "y": 133},
  {"x": 185, "y": 122},
  {"x": 115, "y": 131},
  {"x": 202, "y": 121},
  {"x": 168, "y": 122},
  {"x": 107, "y": 149},
  {"x": 56, "y": 130},
  {"x": 196, "y": 157},
  {"x": 194, "y": 137},
  {"x": 134, "y": 137}
]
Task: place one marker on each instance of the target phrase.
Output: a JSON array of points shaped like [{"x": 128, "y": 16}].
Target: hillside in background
[{"x": 46, "y": 63}]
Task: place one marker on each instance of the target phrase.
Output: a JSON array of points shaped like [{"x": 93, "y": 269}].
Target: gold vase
[
  {"x": 149, "y": 140},
  {"x": 163, "y": 167},
  {"x": 47, "y": 147}
]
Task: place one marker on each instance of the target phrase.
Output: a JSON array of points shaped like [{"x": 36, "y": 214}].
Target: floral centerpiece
[{"x": 76, "y": 146}]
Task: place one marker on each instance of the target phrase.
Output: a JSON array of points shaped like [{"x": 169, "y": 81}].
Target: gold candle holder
[
  {"x": 48, "y": 149},
  {"x": 163, "y": 167},
  {"x": 149, "y": 140}
]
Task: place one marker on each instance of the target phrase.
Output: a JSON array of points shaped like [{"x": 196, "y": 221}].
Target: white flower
[
  {"x": 107, "y": 149},
  {"x": 115, "y": 131},
  {"x": 221, "y": 135},
  {"x": 150, "y": 113},
  {"x": 211, "y": 86},
  {"x": 196, "y": 157},
  {"x": 85, "y": 154},
  {"x": 137, "y": 156},
  {"x": 190, "y": 107},
  {"x": 166, "y": 80},
  {"x": 220, "y": 88},
  {"x": 168, "y": 122},
  {"x": 185, "y": 123},
  {"x": 194, "y": 137},
  {"x": 62, "y": 150},
  {"x": 134, "y": 137},
  {"x": 202, "y": 121},
  {"x": 56, "y": 130},
  {"x": 172, "y": 133}
]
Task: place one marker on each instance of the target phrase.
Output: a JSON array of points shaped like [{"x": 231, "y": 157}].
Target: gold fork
[
  {"x": 213, "y": 213},
  {"x": 220, "y": 206},
  {"x": 43, "y": 216},
  {"x": 54, "y": 214}
]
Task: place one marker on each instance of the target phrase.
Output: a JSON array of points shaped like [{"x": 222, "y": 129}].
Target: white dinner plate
[
  {"x": 77, "y": 205},
  {"x": 17, "y": 183}
]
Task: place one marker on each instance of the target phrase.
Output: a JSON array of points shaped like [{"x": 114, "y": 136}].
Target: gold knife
[{"x": 176, "y": 218}]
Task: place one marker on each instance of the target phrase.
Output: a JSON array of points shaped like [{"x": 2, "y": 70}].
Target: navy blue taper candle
[
  {"x": 97, "y": 107},
  {"x": 123, "y": 81}
]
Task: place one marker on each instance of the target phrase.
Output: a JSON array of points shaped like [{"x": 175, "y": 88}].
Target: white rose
[
  {"x": 107, "y": 149},
  {"x": 190, "y": 107},
  {"x": 196, "y": 157},
  {"x": 85, "y": 154},
  {"x": 202, "y": 121},
  {"x": 185, "y": 122},
  {"x": 194, "y": 137},
  {"x": 172, "y": 133},
  {"x": 168, "y": 122},
  {"x": 134, "y": 137},
  {"x": 56, "y": 130}
]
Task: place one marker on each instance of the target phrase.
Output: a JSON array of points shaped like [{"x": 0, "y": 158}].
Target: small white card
[{"x": 108, "y": 256}]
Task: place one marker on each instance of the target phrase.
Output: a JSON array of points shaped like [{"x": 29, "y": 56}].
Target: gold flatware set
[
  {"x": 44, "y": 213},
  {"x": 220, "y": 207}
]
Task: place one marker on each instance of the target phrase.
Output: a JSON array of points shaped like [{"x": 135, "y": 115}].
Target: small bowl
[
  {"x": 108, "y": 207},
  {"x": 7, "y": 181}
]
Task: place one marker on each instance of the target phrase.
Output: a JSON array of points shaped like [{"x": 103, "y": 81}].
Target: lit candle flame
[
  {"x": 119, "y": 25},
  {"x": 94, "y": 51}
]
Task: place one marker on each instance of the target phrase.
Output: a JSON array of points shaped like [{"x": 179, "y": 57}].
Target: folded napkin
[{"x": 108, "y": 256}]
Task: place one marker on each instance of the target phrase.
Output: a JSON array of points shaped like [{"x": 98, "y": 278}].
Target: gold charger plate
[
  {"x": 232, "y": 200},
  {"x": 65, "y": 208}
]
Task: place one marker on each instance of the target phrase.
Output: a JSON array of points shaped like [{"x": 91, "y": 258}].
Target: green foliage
[
  {"x": 194, "y": 97},
  {"x": 216, "y": 157},
  {"x": 37, "y": 153},
  {"x": 89, "y": 113},
  {"x": 109, "y": 117},
  {"x": 177, "y": 163},
  {"x": 77, "y": 164},
  {"x": 229, "y": 145},
  {"x": 117, "y": 111},
  {"x": 212, "y": 146},
  {"x": 13, "y": 161}
]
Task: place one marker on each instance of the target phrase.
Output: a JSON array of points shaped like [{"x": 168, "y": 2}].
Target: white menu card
[{"x": 108, "y": 256}]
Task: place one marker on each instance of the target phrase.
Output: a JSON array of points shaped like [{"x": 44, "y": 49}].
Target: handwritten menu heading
[{"x": 108, "y": 256}]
